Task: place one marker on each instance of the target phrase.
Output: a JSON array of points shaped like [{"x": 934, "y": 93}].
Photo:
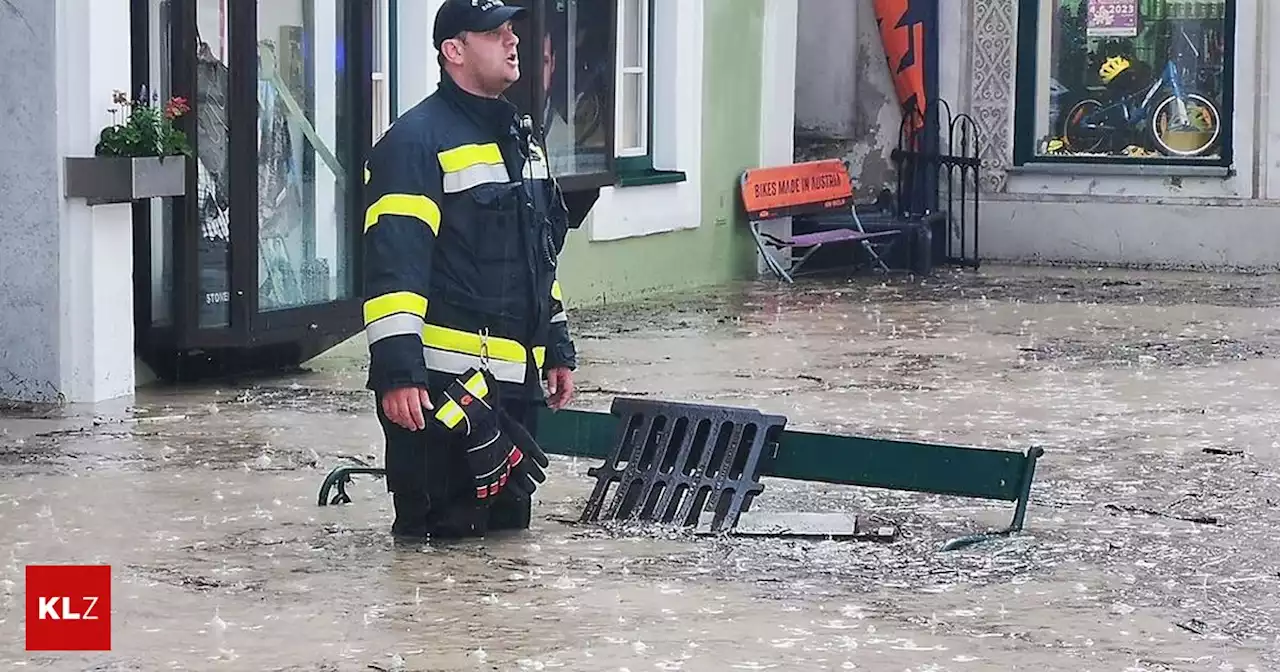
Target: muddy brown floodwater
[{"x": 1152, "y": 541}]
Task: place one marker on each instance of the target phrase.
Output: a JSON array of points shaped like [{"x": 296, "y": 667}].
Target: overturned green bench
[{"x": 939, "y": 469}]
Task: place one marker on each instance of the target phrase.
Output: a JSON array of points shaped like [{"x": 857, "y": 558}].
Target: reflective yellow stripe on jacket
[
  {"x": 394, "y": 314},
  {"x": 451, "y": 412},
  {"x": 407, "y": 205},
  {"x": 453, "y": 351},
  {"x": 469, "y": 166},
  {"x": 557, "y": 303}
]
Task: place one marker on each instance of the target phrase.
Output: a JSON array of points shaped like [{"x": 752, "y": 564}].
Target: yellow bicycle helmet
[{"x": 1111, "y": 67}]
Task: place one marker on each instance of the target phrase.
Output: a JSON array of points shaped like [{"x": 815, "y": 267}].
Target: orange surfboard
[{"x": 902, "y": 32}]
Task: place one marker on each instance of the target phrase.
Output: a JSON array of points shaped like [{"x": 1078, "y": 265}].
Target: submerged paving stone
[{"x": 1150, "y": 541}]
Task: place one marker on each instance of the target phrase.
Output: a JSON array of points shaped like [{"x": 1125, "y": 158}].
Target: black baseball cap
[{"x": 477, "y": 16}]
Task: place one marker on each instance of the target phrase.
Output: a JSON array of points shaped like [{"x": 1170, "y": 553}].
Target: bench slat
[
  {"x": 834, "y": 236},
  {"x": 939, "y": 469},
  {"x": 981, "y": 473}
]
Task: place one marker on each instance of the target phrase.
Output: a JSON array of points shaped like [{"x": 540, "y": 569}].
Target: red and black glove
[
  {"x": 526, "y": 459},
  {"x": 468, "y": 408}
]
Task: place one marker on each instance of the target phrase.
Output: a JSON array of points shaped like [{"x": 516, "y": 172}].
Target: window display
[
  {"x": 578, "y": 76},
  {"x": 302, "y": 255},
  {"x": 1131, "y": 78}
]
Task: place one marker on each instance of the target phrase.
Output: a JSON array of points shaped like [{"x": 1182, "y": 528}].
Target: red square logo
[{"x": 68, "y": 607}]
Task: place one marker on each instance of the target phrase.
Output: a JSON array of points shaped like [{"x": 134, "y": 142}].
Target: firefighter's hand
[
  {"x": 559, "y": 387},
  {"x": 404, "y": 406}
]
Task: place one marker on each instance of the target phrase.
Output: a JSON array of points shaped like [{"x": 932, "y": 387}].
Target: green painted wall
[{"x": 720, "y": 249}]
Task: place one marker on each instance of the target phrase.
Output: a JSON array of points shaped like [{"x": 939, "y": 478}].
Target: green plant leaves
[{"x": 148, "y": 130}]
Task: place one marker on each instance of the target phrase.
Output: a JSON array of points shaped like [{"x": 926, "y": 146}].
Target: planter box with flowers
[{"x": 144, "y": 156}]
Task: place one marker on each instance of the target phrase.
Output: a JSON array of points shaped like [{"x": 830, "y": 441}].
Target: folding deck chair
[{"x": 812, "y": 187}]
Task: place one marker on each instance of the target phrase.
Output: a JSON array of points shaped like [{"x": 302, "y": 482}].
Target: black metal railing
[{"x": 937, "y": 164}]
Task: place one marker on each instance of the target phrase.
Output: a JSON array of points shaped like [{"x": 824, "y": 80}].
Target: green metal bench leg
[
  {"x": 1019, "y": 512},
  {"x": 340, "y": 477},
  {"x": 1028, "y": 474}
]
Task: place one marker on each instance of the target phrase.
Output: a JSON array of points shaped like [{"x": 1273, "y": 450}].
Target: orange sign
[{"x": 814, "y": 183}]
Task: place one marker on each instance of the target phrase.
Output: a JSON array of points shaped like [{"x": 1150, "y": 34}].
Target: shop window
[
  {"x": 1141, "y": 81},
  {"x": 258, "y": 261}
]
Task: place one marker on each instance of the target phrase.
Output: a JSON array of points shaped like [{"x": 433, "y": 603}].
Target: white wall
[
  {"x": 779, "y": 81},
  {"x": 96, "y": 256},
  {"x": 778, "y": 84}
]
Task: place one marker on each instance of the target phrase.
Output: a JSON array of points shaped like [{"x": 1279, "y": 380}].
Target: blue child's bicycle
[{"x": 1181, "y": 123}]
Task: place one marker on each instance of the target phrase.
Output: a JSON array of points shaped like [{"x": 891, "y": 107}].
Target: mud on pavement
[{"x": 1151, "y": 542}]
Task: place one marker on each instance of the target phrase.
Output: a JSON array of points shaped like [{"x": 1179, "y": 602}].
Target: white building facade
[{"x": 1020, "y": 66}]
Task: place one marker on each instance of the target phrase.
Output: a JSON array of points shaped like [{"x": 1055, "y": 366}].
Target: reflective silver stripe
[
  {"x": 475, "y": 175},
  {"x": 561, "y": 316},
  {"x": 536, "y": 170},
  {"x": 484, "y": 445},
  {"x": 458, "y": 363},
  {"x": 398, "y": 324}
]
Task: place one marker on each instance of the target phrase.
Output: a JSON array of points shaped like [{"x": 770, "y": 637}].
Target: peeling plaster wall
[{"x": 845, "y": 103}]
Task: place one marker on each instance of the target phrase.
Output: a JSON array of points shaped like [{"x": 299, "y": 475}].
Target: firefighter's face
[{"x": 490, "y": 59}]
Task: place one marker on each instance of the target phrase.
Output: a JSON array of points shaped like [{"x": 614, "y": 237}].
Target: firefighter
[{"x": 462, "y": 233}]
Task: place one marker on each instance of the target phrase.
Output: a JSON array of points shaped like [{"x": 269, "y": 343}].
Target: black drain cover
[{"x": 674, "y": 460}]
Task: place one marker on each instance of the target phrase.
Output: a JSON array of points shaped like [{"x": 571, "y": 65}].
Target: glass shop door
[
  {"x": 263, "y": 251},
  {"x": 313, "y": 104}
]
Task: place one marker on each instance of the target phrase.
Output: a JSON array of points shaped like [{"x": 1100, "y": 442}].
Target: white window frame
[
  {"x": 381, "y": 61},
  {"x": 675, "y": 140},
  {"x": 639, "y": 115}
]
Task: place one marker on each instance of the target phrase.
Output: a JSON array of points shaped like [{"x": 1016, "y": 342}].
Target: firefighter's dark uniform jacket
[{"x": 462, "y": 233}]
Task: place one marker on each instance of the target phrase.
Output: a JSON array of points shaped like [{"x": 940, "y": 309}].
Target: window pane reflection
[
  {"x": 632, "y": 115},
  {"x": 578, "y": 76},
  {"x": 212, "y": 133},
  {"x": 302, "y": 256},
  {"x": 631, "y": 130}
]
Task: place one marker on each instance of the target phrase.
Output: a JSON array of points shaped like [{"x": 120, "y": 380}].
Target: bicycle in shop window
[{"x": 1180, "y": 123}]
